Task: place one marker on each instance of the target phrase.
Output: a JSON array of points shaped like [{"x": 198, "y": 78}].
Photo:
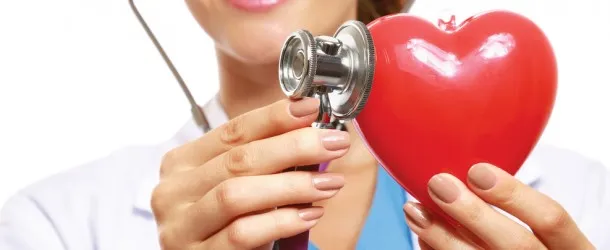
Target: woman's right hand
[{"x": 221, "y": 191}]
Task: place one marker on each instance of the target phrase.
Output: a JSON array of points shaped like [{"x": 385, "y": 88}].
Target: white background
[{"x": 79, "y": 78}]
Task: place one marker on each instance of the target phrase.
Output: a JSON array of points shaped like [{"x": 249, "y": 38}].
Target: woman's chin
[{"x": 255, "y": 51}]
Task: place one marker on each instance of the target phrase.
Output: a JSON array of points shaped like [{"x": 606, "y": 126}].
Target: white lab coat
[{"x": 104, "y": 205}]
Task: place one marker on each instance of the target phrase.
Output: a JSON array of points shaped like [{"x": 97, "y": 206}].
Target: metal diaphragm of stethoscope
[{"x": 338, "y": 70}]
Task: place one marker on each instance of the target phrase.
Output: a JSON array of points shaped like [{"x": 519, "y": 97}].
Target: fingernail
[
  {"x": 417, "y": 215},
  {"x": 334, "y": 140},
  {"x": 311, "y": 213},
  {"x": 481, "y": 176},
  {"x": 304, "y": 107},
  {"x": 443, "y": 188},
  {"x": 328, "y": 181}
]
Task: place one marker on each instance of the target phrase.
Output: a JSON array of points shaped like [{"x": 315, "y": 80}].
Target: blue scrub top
[{"x": 385, "y": 226}]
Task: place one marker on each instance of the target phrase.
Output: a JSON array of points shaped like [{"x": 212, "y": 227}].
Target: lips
[{"x": 255, "y": 5}]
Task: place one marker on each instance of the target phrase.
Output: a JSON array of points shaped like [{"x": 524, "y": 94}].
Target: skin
[
  {"x": 220, "y": 191},
  {"x": 550, "y": 226}
]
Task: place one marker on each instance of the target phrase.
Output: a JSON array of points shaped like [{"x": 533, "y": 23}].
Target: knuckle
[
  {"x": 305, "y": 142},
  {"x": 308, "y": 178},
  {"x": 168, "y": 239},
  {"x": 238, "y": 160},
  {"x": 237, "y": 236},
  {"x": 169, "y": 160},
  {"x": 473, "y": 211},
  {"x": 282, "y": 221},
  {"x": 509, "y": 196},
  {"x": 554, "y": 218},
  {"x": 227, "y": 197},
  {"x": 275, "y": 115},
  {"x": 301, "y": 185},
  {"x": 296, "y": 143},
  {"x": 160, "y": 198},
  {"x": 232, "y": 133},
  {"x": 444, "y": 236}
]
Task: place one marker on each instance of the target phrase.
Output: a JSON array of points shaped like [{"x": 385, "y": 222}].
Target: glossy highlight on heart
[{"x": 447, "y": 96}]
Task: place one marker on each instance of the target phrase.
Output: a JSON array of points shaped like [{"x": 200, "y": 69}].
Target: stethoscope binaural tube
[{"x": 196, "y": 110}]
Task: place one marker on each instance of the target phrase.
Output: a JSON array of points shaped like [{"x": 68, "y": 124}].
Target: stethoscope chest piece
[{"x": 337, "y": 69}]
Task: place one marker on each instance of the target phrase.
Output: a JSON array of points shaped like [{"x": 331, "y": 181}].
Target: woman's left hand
[{"x": 486, "y": 228}]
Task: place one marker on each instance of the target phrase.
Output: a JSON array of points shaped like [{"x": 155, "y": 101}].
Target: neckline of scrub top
[{"x": 385, "y": 226}]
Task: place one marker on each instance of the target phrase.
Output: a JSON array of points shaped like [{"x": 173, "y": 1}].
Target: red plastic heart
[{"x": 449, "y": 96}]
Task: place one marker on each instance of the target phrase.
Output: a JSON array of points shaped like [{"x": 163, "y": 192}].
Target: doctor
[{"x": 217, "y": 190}]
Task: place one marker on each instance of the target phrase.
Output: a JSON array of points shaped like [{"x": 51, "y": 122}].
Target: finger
[
  {"x": 300, "y": 147},
  {"x": 423, "y": 245},
  {"x": 495, "y": 229},
  {"x": 277, "y": 118},
  {"x": 546, "y": 217},
  {"x": 243, "y": 195},
  {"x": 256, "y": 230},
  {"x": 304, "y": 146},
  {"x": 434, "y": 233}
]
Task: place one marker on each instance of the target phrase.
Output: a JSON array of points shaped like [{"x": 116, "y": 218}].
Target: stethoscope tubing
[{"x": 196, "y": 110}]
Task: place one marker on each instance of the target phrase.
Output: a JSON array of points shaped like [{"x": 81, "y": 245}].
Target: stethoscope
[
  {"x": 196, "y": 110},
  {"x": 336, "y": 69}
]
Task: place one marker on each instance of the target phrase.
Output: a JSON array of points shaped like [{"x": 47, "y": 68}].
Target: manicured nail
[
  {"x": 481, "y": 176},
  {"x": 334, "y": 140},
  {"x": 416, "y": 214},
  {"x": 311, "y": 213},
  {"x": 328, "y": 181},
  {"x": 304, "y": 107},
  {"x": 443, "y": 188}
]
